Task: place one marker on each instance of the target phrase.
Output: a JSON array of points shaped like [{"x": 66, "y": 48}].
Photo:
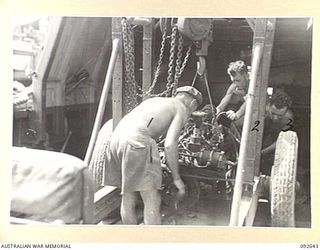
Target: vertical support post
[
  {"x": 147, "y": 56},
  {"x": 244, "y": 159},
  {"x": 263, "y": 82},
  {"x": 256, "y": 125},
  {"x": 117, "y": 82},
  {"x": 249, "y": 156}
]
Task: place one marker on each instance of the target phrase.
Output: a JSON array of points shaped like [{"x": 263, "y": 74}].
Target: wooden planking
[
  {"x": 38, "y": 116},
  {"x": 80, "y": 47}
]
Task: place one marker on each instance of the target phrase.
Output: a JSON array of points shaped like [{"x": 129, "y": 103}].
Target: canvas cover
[{"x": 51, "y": 186}]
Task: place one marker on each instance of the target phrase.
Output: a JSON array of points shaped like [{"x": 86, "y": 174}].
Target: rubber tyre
[
  {"x": 191, "y": 198},
  {"x": 283, "y": 180},
  {"x": 97, "y": 161}
]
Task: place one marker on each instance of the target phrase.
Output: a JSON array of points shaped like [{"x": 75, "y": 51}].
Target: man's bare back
[{"x": 154, "y": 115}]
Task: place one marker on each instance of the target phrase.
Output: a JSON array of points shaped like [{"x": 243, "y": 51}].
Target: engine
[
  {"x": 208, "y": 152},
  {"x": 202, "y": 141}
]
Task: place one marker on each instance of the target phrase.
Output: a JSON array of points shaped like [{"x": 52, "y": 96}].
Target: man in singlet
[
  {"x": 233, "y": 101},
  {"x": 133, "y": 162}
]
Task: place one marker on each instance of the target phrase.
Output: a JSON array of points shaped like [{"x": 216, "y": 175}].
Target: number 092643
[{"x": 309, "y": 246}]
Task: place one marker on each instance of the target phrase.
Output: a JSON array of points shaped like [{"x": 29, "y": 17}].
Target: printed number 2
[
  {"x": 289, "y": 124},
  {"x": 255, "y": 128}
]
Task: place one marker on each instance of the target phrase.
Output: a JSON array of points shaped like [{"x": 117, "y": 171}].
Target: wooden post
[
  {"x": 117, "y": 83},
  {"x": 39, "y": 80},
  {"x": 251, "y": 139},
  {"x": 263, "y": 81},
  {"x": 147, "y": 56},
  {"x": 245, "y": 161}
]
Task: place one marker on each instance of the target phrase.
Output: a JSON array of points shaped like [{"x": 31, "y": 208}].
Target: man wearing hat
[{"x": 133, "y": 161}]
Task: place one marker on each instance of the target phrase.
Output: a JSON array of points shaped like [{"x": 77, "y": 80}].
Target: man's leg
[
  {"x": 152, "y": 202},
  {"x": 128, "y": 208}
]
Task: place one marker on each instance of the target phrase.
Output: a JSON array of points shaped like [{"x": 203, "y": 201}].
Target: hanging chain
[
  {"x": 178, "y": 65},
  {"x": 175, "y": 70},
  {"x": 185, "y": 60},
  {"x": 130, "y": 93},
  {"x": 167, "y": 92},
  {"x": 157, "y": 71}
]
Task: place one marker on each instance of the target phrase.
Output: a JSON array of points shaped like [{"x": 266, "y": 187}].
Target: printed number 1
[{"x": 255, "y": 128}]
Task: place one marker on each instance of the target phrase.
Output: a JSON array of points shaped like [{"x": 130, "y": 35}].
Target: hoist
[{"x": 199, "y": 32}]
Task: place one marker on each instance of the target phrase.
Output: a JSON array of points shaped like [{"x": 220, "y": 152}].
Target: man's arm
[
  {"x": 226, "y": 99},
  {"x": 171, "y": 149},
  {"x": 241, "y": 111},
  {"x": 236, "y": 115},
  {"x": 171, "y": 144},
  {"x": 287, "y": 124},
  {"x": 270, "y": 149}
]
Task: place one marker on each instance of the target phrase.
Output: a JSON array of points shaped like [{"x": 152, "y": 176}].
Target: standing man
[
  {"x": 133, "y": 161},
  {"x": 234, "y": 100}
]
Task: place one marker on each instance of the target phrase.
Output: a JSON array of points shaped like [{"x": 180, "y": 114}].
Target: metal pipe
[
  {"x": 103, "y": 101},
  {"x": 237, "y": 193}
]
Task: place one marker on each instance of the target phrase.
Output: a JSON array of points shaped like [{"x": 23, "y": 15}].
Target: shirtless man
[
  {"x": 133, "y": 162},
  {"x": 234, "y": 99}
]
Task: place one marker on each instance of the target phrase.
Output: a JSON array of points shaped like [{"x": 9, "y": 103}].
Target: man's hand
[
  {"x": 181, "y": 188},
  {"x": 231, "y": 115}
]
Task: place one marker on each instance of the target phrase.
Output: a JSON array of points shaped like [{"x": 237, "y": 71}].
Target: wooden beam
[
  {"x": 251, "y": 23},
  {"x": 246, "y": 153},
  {"x": 251, "y": 139},
  {"x": 255, "y": 134},
  {"x": 249, "y": 204},
  {"x": 262, "y": 81},
  {"x": 147, "y": 56},
  {"x": 245, "y": 159},
  {"x": 251, "y": 214}
]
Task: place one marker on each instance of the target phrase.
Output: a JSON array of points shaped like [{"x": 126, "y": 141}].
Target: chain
[
  {"x": 130, "y": 93},
  {"x": 157, "y": 71},
  {"x": 171, "y": 61},
  {"x": 175, "y": 70},
  {"x": 178, "y": 65}
]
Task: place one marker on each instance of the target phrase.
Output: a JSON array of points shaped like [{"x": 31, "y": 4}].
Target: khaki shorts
[{"x": 133, "y": 164}]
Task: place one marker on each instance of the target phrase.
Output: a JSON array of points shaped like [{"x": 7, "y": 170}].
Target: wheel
[
  {"x": 99, "y": 153},
  {"x": 283, "y": 180},
  {"x": 110, "y": 197},
  {"x": 168, "y": 193}
]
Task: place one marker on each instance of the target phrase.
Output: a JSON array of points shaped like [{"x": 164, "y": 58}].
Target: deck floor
[{"x": 212, "y": 211}]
